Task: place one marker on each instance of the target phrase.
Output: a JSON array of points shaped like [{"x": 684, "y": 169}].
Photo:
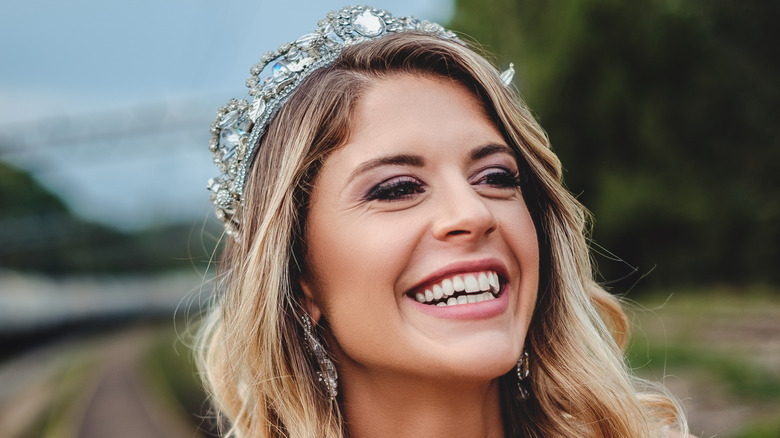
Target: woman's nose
[{"x": 462, "y": 213}]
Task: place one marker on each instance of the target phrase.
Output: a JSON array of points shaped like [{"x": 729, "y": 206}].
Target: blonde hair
[{"x": 251, "y": 351}]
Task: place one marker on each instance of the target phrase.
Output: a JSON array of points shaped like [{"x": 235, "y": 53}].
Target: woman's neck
[{"x": 391, "y": 406}]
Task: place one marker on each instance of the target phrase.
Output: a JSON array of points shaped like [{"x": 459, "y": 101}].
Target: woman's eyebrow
[
  {"x": 490, "y": 149},
  {"x": 391, "y": 160}
]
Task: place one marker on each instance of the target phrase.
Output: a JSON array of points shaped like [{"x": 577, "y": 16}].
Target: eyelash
[
  {"x": 502, "y": 178},
  {"x": 395, "y": 189},
  {"x": 405, "y": 187}
]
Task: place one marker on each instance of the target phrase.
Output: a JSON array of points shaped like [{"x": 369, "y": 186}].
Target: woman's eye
[
  {"x": 395, "y": 189},
  {"x": 501, "y": 178}
]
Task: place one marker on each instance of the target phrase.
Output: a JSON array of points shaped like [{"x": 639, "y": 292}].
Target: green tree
[
  {"x": 37, "y": 232},
  {"x": 664, "y": 114}
]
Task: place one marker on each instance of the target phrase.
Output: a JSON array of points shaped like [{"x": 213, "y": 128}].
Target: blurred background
[{"x": 664, "y": 113}]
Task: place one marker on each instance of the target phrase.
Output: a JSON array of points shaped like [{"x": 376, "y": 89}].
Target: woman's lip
[{"x": 459, "y": 268}]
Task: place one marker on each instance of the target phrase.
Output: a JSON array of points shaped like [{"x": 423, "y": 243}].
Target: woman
[{"x": 405, "y": 260}]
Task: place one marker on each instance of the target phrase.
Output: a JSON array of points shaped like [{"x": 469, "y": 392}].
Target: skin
[{"x": 424, "y": 189}]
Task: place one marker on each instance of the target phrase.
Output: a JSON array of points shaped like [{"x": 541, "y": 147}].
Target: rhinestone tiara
[{"x": 240, "y": 124}]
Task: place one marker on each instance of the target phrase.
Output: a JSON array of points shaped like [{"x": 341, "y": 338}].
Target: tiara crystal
[{"x": 240, "y": 124}]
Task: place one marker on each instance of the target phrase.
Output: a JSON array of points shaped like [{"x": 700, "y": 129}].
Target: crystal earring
[
  {"x": 327, "y": 374},
  {"x": 523, "y": 371}
]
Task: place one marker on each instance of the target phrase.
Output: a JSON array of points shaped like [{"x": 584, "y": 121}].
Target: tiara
[{"x": 240, "y": 124}]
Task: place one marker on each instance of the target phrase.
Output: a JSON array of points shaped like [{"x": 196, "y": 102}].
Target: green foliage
[
  {"x": 38, "y": 233},
  {"x": 761, "y": 430},
  {"x": 664, "y": 115},
  {"x": 742, "y": 379},
  {"x": 20, "y": 195}
]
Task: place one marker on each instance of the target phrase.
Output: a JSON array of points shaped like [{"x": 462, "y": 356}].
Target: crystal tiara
[{"x": 240, "y": 124}]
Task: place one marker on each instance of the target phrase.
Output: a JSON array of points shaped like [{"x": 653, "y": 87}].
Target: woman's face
[{"x": 421, "y": 253}]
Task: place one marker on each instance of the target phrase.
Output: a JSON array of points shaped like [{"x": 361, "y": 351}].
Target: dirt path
[
  {"x": 121, "y": 404},
  {"x": 88, "y": 388},
  {"x": 28, "y": 384}
]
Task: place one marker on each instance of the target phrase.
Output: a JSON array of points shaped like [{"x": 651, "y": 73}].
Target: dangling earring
[
  {"x": 328, "y": 376},
  {"x": 523, "y": 370}
]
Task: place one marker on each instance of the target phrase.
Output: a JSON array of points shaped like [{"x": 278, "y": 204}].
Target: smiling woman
[
  {"x": 396, "y": 250},
  {"x": 404, "y": 259}
]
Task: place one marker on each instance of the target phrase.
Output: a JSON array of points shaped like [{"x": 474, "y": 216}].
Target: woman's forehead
[{"x": 403, "y": 104}]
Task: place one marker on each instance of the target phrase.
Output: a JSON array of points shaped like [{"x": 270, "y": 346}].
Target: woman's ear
[{"x": 309, "y": 299}]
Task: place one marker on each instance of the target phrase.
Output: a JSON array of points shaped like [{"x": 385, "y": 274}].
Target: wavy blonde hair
[{"x": 251, "y": 352}]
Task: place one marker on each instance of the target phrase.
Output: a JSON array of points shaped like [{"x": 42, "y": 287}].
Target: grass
[
  {"x": 67, "y": 386},
  {"x": 170, "y": 367},
  {"x": 743, "y": 379},
  {"x": 761, "y": 429},
  {"x": 719, "y": 342}
]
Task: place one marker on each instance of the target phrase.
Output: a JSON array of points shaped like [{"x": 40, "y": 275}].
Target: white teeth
[
  {"x": 437, "y": 292},
  {"x": 475, "y": 287},
  {"x": 484, "y": 283},
  {"x": 447, "y": 287},
  {"x": 493, "y": 280},
  {"x": 471, "y": 283},
  {"x": 458, "y": 284}
]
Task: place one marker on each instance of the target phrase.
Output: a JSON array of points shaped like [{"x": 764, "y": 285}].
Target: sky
[{"x": 108, "y": 103}]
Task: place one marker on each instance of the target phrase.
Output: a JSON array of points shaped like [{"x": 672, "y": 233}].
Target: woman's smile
[{"x": 461, "y": 289}]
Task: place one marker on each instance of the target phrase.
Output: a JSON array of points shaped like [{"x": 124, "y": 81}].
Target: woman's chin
[
  {"x": 484, "y": 363},
  {"x": 479, "y": 358}
]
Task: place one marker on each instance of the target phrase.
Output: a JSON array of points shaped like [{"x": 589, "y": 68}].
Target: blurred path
[
  {"x": 122, "y": 404},
  {"x": 28, "y": 384},
  {"x": 86, "y": 388}
]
